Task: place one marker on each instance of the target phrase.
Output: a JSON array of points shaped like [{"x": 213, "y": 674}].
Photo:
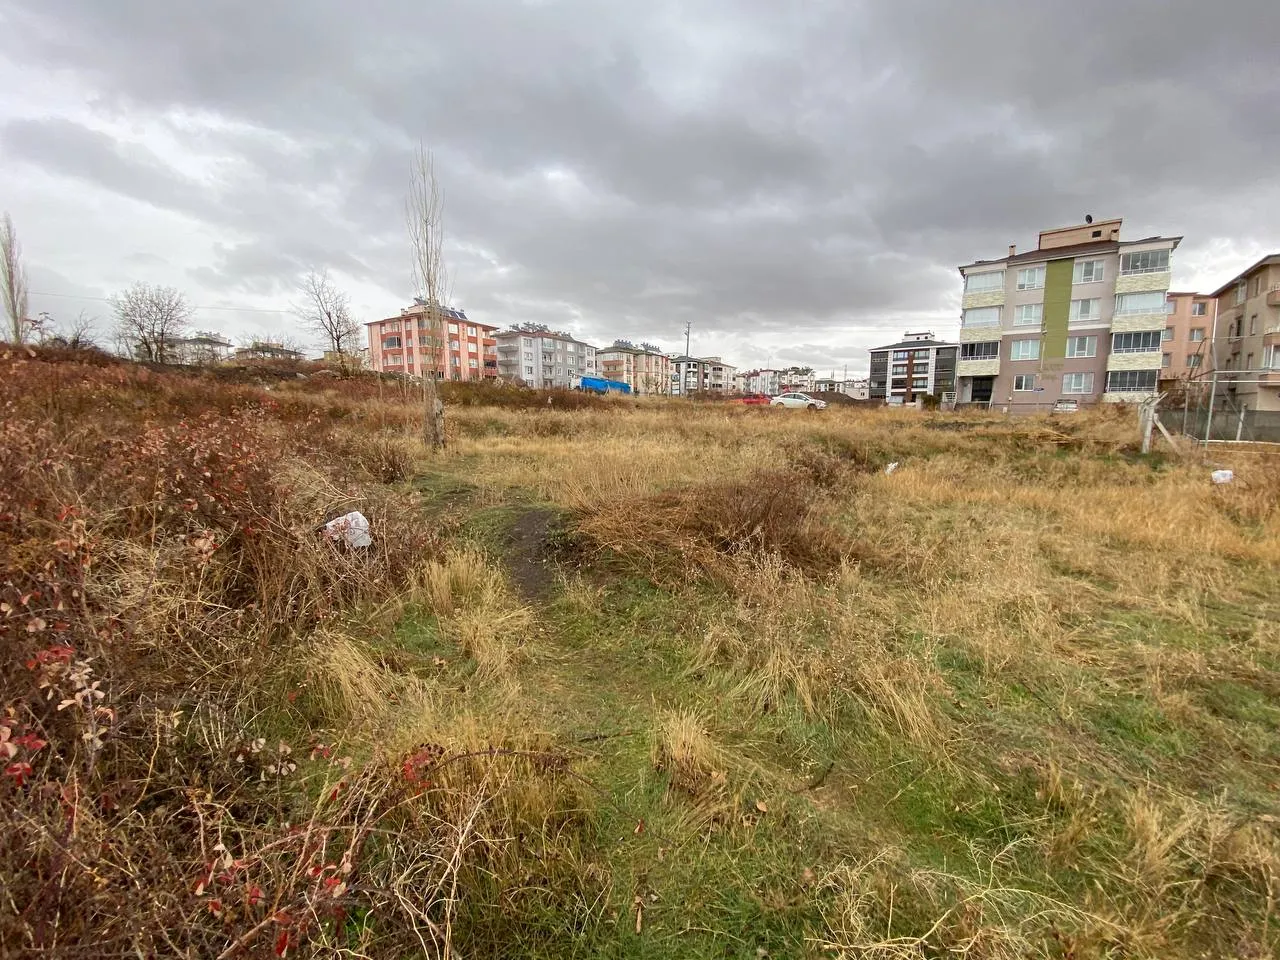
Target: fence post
[
  {"x": 1208, "y": 422},
  {"x": 1240, "y": 423}
]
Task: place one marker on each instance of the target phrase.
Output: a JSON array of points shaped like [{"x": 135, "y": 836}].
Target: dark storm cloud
[{"x": 752, "y": 167}]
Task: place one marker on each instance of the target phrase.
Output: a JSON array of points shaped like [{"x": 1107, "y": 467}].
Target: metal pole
[
  {"x": 1240, "y": 423},
  {"x": 1208, "y": 423}
]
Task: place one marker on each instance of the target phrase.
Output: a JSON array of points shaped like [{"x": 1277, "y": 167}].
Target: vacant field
[{"x": 624, "y": 681}]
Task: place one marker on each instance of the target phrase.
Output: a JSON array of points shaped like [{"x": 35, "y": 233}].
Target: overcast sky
[{"x": 799, "y": 180}]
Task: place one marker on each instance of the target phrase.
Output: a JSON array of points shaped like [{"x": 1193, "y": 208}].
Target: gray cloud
[{"x": 771, "y": 172}]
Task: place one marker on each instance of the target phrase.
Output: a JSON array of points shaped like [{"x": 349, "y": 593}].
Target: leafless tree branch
[{"x": 424, "y": 216}]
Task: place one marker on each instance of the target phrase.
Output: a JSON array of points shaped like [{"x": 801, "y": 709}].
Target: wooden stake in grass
[{"x": 424, "y": 214}]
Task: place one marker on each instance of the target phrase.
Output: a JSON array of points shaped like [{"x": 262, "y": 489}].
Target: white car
[{"x": 798, "y": 401}]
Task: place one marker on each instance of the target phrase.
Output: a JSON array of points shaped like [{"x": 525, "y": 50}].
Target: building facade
[
  {"x": 797, "y": 380},
  {"x": 645, "y": 368},
  {"x": 918, "y": 365},
  {"x": 854, "y": 389},
  {"x": 701, "y": 375},
  {"x": 1081, "y": 317},
  {"x": 1187, "y": 342},
  {"x": 459, "y": 349},
  {"x": 544, "y": 359},
  {"x": 1247, "y": 338},
  {"x": 762, "y": 381}
]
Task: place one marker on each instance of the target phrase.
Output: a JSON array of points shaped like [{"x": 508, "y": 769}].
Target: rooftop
[
  {"x": 1071, "y": 250},
  {"x": 1268, "y": 260},
  {"x": 913, "y": 345}
]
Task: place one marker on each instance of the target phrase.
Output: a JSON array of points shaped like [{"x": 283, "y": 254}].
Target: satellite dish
[{"x": 1088, "y": 218}]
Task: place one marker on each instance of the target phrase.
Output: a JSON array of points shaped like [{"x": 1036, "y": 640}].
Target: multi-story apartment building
[
  {"x": 1247, "y": 338},
  {"x": 1187, "y": 341},
  {"x": 705, "y": 374},
  {"x": 762, "y": 381},
  {"x": 916, "y": 366},
  {"x": 645, "y": 368},
  {"x": 457, "y": 349},
  {"x": 797, "y": 379},
  {"x": 1080, "y": 317},
  {"x": 856, "y": 389},
  {"x": 544, "y": 358}
]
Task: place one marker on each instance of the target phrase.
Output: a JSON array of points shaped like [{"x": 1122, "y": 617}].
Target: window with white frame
[
  {"x": 1087, "y": 271},
  {"x": 526, "y": 342},
  {"x": 1171, "y": 305},
  {"x": 1028, "y": 314},
  {"x": 472, "y": 363},
  {"x": 1166, "y": 359},
  {"x": 980, "y": 317},
  {"x": 1086, "y": 309},
  {"x": 1023, "y": 382},
  {"x": 1031, "y": 278},
  {"x": 1197, "y": 334},
  {"x": 1168, "y": 333},
  {"x": 980, "y": 350},
  {"x": 1147, "y": 261},
  {"x": 453, "y": 328},
  {"x": 984, "y": 282},
  {"x": 455, "y": 345},
  {"x": 471, "y": 331},
  {"x": 1082, "y": 346},
  {"x": 1253, "y": 325},
  {"x": 1193, "y": 359},
  {"x": 1024, "y": 350},
  {"x": 1145, "y": 342},
  {"x": 1240, "y": 293},
  {"x": 1131, "y": 381},
  {"x": 1198, "y": 309},
  {"x": 1272, "y": 362},
  {"x": 528, "y": 370},
  {"x": 1128, "y": 304},
  {"x": 1077, "y": 383}
]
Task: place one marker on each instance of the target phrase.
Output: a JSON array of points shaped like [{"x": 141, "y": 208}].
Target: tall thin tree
[
  {"x": 424, "y": 216},
  {"x": 13, "y": 275}
]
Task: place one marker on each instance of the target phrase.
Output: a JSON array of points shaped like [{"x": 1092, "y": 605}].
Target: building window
[
  {"x": 1197, "y": 334},
  {"x": 1131, "y": 381},
  {"x": 1128, "y": 304},
  {"x": 1086, "y": 309},
  {"x": 1082, "y": 346},
  {"x": 1148, "y": 261},
  {"x": 471, "y": 331},
  {"x": 1087, "y": 271},
  {"x": 1023, "y": 382},
  {"x": 1240, "y": 293},
  {"x": 1168, "y": 333},
  {"x": 1024, "y": 350},
  {"x": 1147, "y": 342},
  {"x": 1248, "y": 361},
  {"x": 1193, "y": 359},
  {"x": 1028, "y": 313},
  {"x": 1077, "y": 383},
  {"x": 528, "y": 371},
  {"x": 1198, "y": 309},
  {"x": 390, "y": 342},
  {"x": 1253, "y": 325},
  {"x": 899, "y": 370},
  {"x": 453, "y": 328},
  {"x": 984, "y": 282},
  {"x": 977, "y": 317},
  {"x": 983, "y": 350},
  {"x": 472, "y": 363},
  {"x": 1166, "y": 359},
  {"x": 1171, "y": 305},
  {"x": 1031, "y": 278}
]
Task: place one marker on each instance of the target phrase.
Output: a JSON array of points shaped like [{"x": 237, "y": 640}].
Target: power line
[{"x": 73, "y": 296}]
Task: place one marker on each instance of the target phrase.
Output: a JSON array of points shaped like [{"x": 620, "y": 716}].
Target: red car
[{"x": 752, "y": 400}]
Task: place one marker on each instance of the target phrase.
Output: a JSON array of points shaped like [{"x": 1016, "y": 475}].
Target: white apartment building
[
  {"x": 762, "y": 381},
  {"x": 701, "y": 374},
  {"x": 544, "y": 359}
]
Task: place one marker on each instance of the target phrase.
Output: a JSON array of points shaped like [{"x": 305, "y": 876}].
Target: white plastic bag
[
  {"x": 890, "y": 468},
  {"x": 353, "y": 528},
  {"x": 1222, "y": 476}
]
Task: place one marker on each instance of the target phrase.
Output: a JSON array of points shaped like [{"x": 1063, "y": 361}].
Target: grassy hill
[{"x": 629, "y": 680}]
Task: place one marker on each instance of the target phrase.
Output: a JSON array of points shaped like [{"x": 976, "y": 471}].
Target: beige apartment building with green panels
[{"x": 1081, "y": 318}]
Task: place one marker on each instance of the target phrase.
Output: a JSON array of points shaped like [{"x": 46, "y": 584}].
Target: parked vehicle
[
  {"x": 600, "y": 385},
  {"x": 752, "y": 399},
  {"x": 798, "y": 401}
]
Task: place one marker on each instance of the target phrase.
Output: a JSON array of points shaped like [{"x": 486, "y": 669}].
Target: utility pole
[{"x": 687, "y": 325}]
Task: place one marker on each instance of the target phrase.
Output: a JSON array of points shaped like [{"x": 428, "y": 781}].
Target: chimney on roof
[{"x": 1013, "y": 249}]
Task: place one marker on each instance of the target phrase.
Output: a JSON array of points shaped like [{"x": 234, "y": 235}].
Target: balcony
[
  {"x": 1142, "y": 282},
  {"x": 986, "y": 367},
  {"x": 1273, "y": 296},
  {"x": 1144, "y": 360}
]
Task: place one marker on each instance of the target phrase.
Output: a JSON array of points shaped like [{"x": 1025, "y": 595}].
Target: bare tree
[
  {"x": 78, "y": 334},
  {"x": 424, "y": 215},
  {"x": 150, "y": 321},
  {"x": 14, "y": 277},
  {"x": 326, "y": 311}
]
